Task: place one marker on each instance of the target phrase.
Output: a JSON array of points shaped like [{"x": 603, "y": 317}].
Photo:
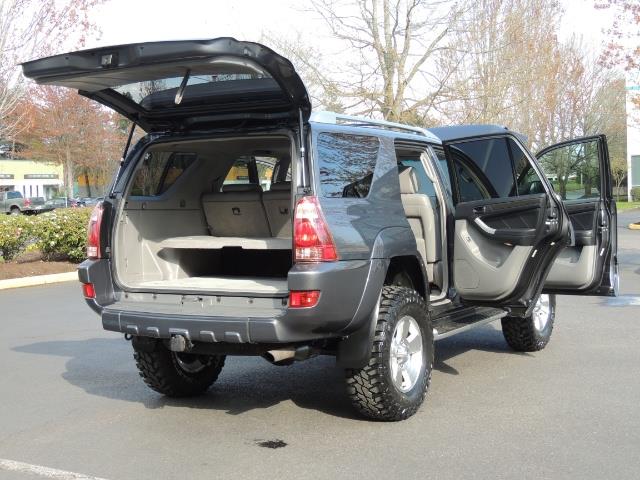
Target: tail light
[
  {"x": 93, "y": 232},
  {"x": 311, "y": 237}
]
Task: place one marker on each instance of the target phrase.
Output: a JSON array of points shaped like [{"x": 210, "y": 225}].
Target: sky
[{"x": 126, "y": 21}]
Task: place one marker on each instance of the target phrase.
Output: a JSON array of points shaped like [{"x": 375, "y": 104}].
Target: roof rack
[{"x": 338, "y": 118}]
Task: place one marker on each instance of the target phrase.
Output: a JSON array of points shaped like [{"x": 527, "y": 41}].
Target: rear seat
[
  {"x": 237, "y": 211},
  {"x": 277, "y": 204}
]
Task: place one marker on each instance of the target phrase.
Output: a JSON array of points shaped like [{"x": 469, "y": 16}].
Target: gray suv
[{"x": 244, "y": 224}]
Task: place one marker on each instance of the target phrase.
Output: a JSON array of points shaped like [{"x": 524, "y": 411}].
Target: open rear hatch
[{"x": 177, "y": 85}]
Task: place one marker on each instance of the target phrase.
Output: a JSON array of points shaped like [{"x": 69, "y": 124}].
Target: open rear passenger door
[
  {"x": 580, "y": 173},
  {"x": 508, "y": 224}
]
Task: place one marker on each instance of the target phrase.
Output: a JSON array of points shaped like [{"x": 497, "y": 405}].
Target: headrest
[
  {"x": 241, "y": 187},
  {"x": 408, "y": 180},
  {"x": 280, "y": 187}
]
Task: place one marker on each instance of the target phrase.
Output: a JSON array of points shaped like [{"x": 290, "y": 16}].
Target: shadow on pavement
[
  {"x": 487, "y": 338},
  {"x": 105, "y": 367}
]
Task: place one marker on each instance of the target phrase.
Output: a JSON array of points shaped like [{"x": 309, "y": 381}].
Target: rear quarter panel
[{"x": 356, "y": 223}]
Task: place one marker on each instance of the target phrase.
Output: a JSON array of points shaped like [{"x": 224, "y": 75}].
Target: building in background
[
  {"x": 633, "y": 136},
  {"x": 31, "y": 178}
]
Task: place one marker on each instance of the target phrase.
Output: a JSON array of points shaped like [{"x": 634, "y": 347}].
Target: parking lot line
[{"x": 13, "y": 466}]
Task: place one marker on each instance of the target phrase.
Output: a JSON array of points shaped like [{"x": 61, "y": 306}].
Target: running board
[{"x": 458, "y": 322}]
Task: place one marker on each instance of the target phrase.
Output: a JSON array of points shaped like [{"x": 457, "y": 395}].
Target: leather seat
[
  {"x": 421, "y": 217},
  {"x": 277, "y": 204},
  {"x": 237, "y": 211}
]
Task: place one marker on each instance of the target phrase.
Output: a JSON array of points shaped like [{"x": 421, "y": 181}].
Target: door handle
[{"x": 479, "y": 210}]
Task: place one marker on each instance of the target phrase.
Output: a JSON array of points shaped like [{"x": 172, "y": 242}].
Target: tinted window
[
  {"x": 14, "y": 195},
  {"x": 574, "y": 170},
  {"x": 485, "y": 164},
  {"x": 158, "y": 171},
  {"x": 346, "y": 164},
  {"x": 529, "y": 181}
]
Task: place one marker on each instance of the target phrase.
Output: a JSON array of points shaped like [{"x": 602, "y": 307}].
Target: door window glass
[
  {"x": 346, "y": 164},
  {"x": 484, "y": 169},
  {"x": 239, "y": 172},
  {"x": 573, "y": 170},
  {"x": 529, "y": 182}
]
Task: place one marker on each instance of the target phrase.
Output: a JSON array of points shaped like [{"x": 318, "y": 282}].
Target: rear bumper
[{"x": 349, "y": 292}]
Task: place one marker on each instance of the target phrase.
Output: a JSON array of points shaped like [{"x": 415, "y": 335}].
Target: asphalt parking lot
[{"x": 71, "y": 399}]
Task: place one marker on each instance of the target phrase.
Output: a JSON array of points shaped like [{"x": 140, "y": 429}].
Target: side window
[
  {"x": 158, "y": 171},
  {"x": 483, "y": 168},
  {"x": 573, "y": 170},
  {"x": 265, "y": 167},
  {"x": 11, "y": 195},
  {"x": 239, "y": 172},
  {"x": 529, "y": 182},
  {"x": 425, "y": 185},
  {"x": 346, "y": 164}
]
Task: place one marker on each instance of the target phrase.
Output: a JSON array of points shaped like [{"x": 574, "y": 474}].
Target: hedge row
[{"x": 59, "y": 235}]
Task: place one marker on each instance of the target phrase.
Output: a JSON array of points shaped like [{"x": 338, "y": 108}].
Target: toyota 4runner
[{"x": 244, "y": 224}]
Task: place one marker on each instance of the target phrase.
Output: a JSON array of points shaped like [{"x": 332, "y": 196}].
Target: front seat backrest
[
  {"x": 237, "y": 211},
  {"x": 419, "y": 212}
]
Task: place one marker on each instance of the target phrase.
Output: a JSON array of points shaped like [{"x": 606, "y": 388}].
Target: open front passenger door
[
  {"x": 580, "y": 173},
  {"x": 508, "y": 224}
]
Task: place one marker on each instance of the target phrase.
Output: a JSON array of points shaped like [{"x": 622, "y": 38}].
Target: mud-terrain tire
[
  {"x": 393, "y": 385},
  {"x": 532, "y": 333},
  {"x": 177, "y": 374}
]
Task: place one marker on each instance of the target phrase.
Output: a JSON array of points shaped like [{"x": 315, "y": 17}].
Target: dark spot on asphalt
[{"x": 277, "y": 443}]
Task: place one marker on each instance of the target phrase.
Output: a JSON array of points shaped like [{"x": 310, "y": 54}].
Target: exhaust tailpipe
[
  {"x": 288, "y": 356},
  {"x": 280, "y": 357}
]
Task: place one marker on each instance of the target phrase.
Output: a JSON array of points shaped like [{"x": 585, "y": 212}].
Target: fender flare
[{"x": 354, "y": 349}]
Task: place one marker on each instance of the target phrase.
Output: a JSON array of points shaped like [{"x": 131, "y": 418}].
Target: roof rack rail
[{"x": 338, "y": 118}]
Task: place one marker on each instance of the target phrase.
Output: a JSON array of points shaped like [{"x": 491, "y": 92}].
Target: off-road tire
[
  {"x": 522, "y": 335},
  {"x": 371, "y": 388},
  {"x": 14, "y": 211},
  {"x": 162, "y": 372}
]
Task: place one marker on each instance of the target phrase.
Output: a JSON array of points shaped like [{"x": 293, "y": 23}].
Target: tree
[
  {"x": 75, "y": 132},
  {"x": 619, "y": 173},
  {"x": 623, "y": 49},
  {"x": 395, "y": 46},
  {"x": 28, "y": 29}
]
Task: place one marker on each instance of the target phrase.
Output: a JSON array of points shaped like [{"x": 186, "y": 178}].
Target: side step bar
[{"x": 461, "y": 321}]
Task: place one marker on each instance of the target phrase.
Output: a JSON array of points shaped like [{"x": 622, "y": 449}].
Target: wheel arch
[{"x": 413, "y": 267}]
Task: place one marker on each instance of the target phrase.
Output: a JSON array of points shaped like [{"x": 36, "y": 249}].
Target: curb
[{"x": 38, "y": 280}]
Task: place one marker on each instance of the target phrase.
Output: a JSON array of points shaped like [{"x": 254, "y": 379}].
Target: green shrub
[
  {"x": 15, "y": 234},
  {"x": 62, "y": 234},
  {"x": 635, "y": 194}
]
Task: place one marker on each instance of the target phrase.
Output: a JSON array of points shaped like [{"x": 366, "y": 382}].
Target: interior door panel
[
  {"x": 589, "y": 266},
  {"x": 494, "y": 239}
]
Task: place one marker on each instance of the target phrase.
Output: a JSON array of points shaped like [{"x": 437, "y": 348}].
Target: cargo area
[{"x": 208, "y": 216}]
